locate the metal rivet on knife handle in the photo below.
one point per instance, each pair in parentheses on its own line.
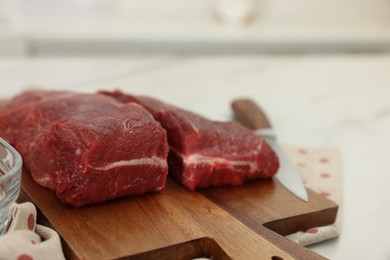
(248,113)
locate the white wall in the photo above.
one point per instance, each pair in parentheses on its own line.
(104,27)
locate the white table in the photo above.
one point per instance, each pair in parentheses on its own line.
(341,101)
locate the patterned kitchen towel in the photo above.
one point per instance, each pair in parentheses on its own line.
(320,169)
(26,240)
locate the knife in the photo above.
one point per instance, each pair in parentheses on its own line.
(250,115)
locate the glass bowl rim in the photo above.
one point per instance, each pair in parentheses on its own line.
(17,167)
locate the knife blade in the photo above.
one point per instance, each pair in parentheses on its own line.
(250,115)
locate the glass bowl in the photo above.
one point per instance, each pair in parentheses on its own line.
(10,176)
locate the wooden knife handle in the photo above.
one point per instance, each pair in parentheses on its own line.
(248,113)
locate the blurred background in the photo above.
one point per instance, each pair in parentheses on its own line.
(149,27)
(320,68)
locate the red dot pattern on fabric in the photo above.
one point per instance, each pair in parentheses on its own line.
(302,151)
(301,164)
(324,193)
(30,222)
(324,160)
(312,231)
(25,257)
(325,175)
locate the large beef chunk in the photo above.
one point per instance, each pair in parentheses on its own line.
(88,148)
(207,153)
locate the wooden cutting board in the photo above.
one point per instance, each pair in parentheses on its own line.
(246,222)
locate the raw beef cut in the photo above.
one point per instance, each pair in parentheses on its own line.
(207,153)
(88,148)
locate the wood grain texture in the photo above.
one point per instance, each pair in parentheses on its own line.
(223,223)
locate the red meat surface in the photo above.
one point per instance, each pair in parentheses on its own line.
(207,153)
(88,148)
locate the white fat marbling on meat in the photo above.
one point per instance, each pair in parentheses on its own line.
(198,158)
(158,162)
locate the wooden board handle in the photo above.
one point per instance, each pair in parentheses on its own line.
(248,113)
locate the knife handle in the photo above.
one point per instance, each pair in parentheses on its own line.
(248,113)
